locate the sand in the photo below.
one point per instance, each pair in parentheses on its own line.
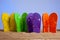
(29,36)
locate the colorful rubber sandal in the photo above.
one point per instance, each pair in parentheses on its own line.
(5,21)
(53,22)
(18,22)
(24,23)
(12,23)
(36,22)
(29,22)
(45,21)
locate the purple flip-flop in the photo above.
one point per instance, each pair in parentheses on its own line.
(29,22)
(36,22)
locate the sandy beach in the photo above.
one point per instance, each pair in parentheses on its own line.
(29,36)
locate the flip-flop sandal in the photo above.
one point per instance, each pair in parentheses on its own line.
(29,22)
(18,22)
(24,23)
(5,21)
(53,22)
(45,21)
(12,23)
(36,22)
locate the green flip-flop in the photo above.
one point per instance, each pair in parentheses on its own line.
(24,23)
(18,22)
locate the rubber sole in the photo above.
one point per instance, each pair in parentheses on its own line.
(53,22)
(45,21)
(12,23)
(18,22)
(5,21)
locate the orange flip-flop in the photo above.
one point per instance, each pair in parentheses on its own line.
(45,21)
(53,22)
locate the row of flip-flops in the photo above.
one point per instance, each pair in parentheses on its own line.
(29,22)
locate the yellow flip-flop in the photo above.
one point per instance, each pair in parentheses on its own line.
(5,21)
(45,21)
(12,23)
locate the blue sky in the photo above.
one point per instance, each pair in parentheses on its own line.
(29,6)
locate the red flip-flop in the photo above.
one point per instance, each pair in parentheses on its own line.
(53,22)
(45,21)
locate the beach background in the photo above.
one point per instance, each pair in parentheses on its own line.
(29,6)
